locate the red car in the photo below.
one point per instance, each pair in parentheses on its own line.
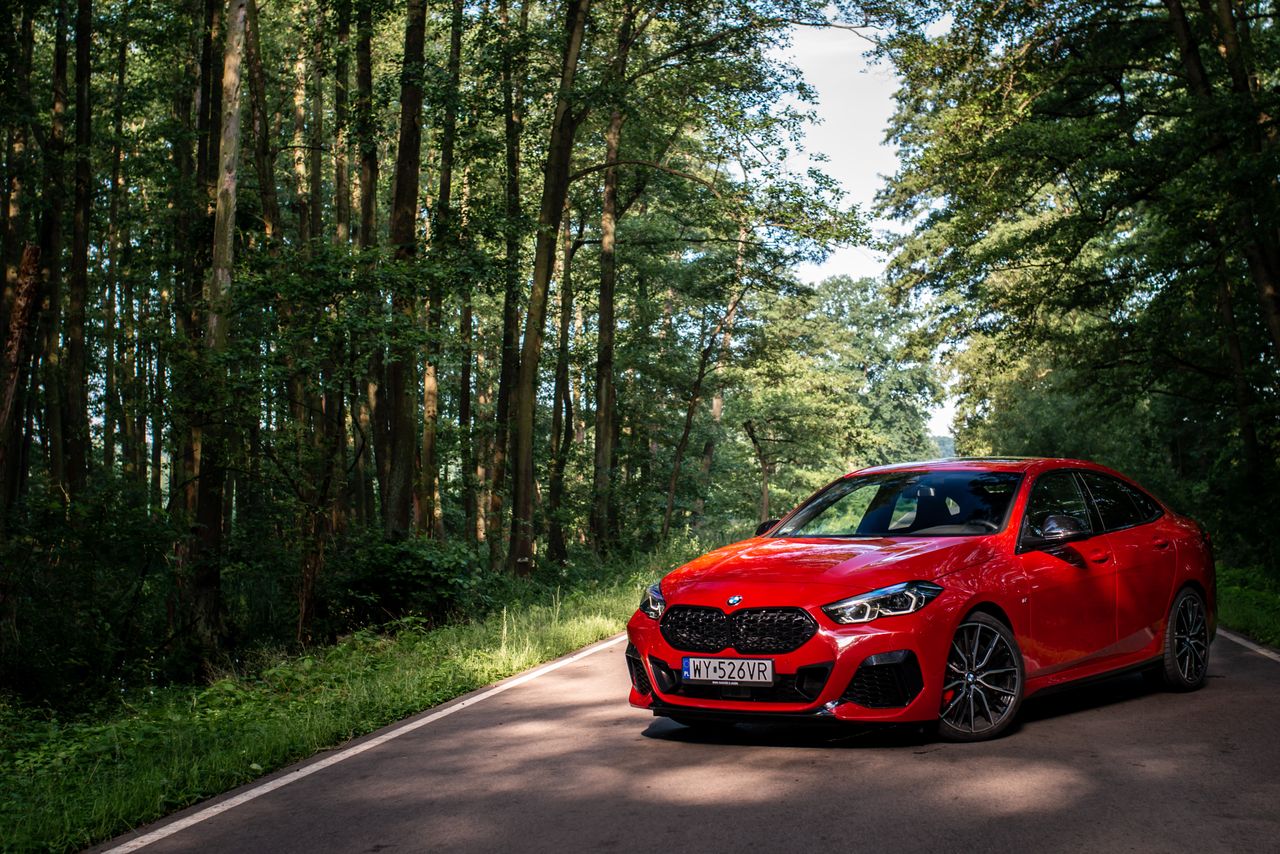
(942,591)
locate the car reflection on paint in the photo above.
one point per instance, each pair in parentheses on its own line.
(944,591)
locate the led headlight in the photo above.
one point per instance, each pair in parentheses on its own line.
(651,603)
(892,601)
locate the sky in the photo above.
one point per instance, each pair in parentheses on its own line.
(855,102)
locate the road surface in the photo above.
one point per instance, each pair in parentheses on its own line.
(560,763)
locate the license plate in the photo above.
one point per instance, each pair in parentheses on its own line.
(728,671)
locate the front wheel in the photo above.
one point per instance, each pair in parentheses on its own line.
(982,688)
(1186,642)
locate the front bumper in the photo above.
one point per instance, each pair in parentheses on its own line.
(889,670)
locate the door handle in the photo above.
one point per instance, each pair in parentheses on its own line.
(1099,556)
(1161,543)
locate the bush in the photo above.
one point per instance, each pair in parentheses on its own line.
(370,581)
(86,593)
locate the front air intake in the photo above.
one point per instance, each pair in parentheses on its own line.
(889,680)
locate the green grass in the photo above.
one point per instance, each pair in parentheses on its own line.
(1249,603)
(68,784)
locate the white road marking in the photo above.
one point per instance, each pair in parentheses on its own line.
(307,770)
(1250,645)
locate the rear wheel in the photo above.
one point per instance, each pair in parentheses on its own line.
(982,687)
(1186,642)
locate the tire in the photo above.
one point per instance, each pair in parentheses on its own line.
(983,681)
(1186,642)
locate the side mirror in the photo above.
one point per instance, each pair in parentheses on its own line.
(1062,529)
(763,527)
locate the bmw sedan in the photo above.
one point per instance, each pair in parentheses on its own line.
(944,592)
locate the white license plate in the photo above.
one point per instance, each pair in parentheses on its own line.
(728,671)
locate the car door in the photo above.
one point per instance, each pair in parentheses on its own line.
(1144,555)
(1071,586)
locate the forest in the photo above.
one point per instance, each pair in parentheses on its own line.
(319,314)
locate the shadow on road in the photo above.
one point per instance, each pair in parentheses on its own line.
(1044,706)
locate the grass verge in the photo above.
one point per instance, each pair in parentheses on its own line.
(69,784)
(1249,603)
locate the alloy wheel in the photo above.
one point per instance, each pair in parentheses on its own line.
(1191,639)
(983,680)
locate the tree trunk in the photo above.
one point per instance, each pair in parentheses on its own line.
(444,239)
(513,109)
(77,426)
(366,140)
(555,186)
(302,186)
(561,407)
(404,217)
(16,167)
(606,396)
(51,263)
(22,310)
(315,129)
(341,122)
(766,470)
(263,157)
(207,562)
(112,411)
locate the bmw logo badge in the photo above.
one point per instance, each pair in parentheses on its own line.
(734,600)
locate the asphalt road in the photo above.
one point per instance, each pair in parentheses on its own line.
(560,763)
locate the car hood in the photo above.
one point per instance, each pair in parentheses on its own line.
(828,568)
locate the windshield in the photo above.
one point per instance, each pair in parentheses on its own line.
(908,504)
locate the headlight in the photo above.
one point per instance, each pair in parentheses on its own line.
(652,603)
(892,601)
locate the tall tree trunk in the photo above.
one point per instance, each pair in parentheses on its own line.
(341,124)
(444,238)
(210,121)
(51,262)
(77,425)
(366,139)
(766,469)
(404,216)
(606,396)
(112,410)
(263,156)
(315,127)
(513,110)
(561,407)
(555,186)
(302,187)
(717,397)
(372,419)
(207,562)
(16,167)
(22,310)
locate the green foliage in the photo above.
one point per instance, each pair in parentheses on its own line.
(87,589)
(374,581)
(1249,602)
(1084,215)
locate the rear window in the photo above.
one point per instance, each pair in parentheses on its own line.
(908,504)
(1119,504)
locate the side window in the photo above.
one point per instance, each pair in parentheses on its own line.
(1115,501)
(1055,494)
